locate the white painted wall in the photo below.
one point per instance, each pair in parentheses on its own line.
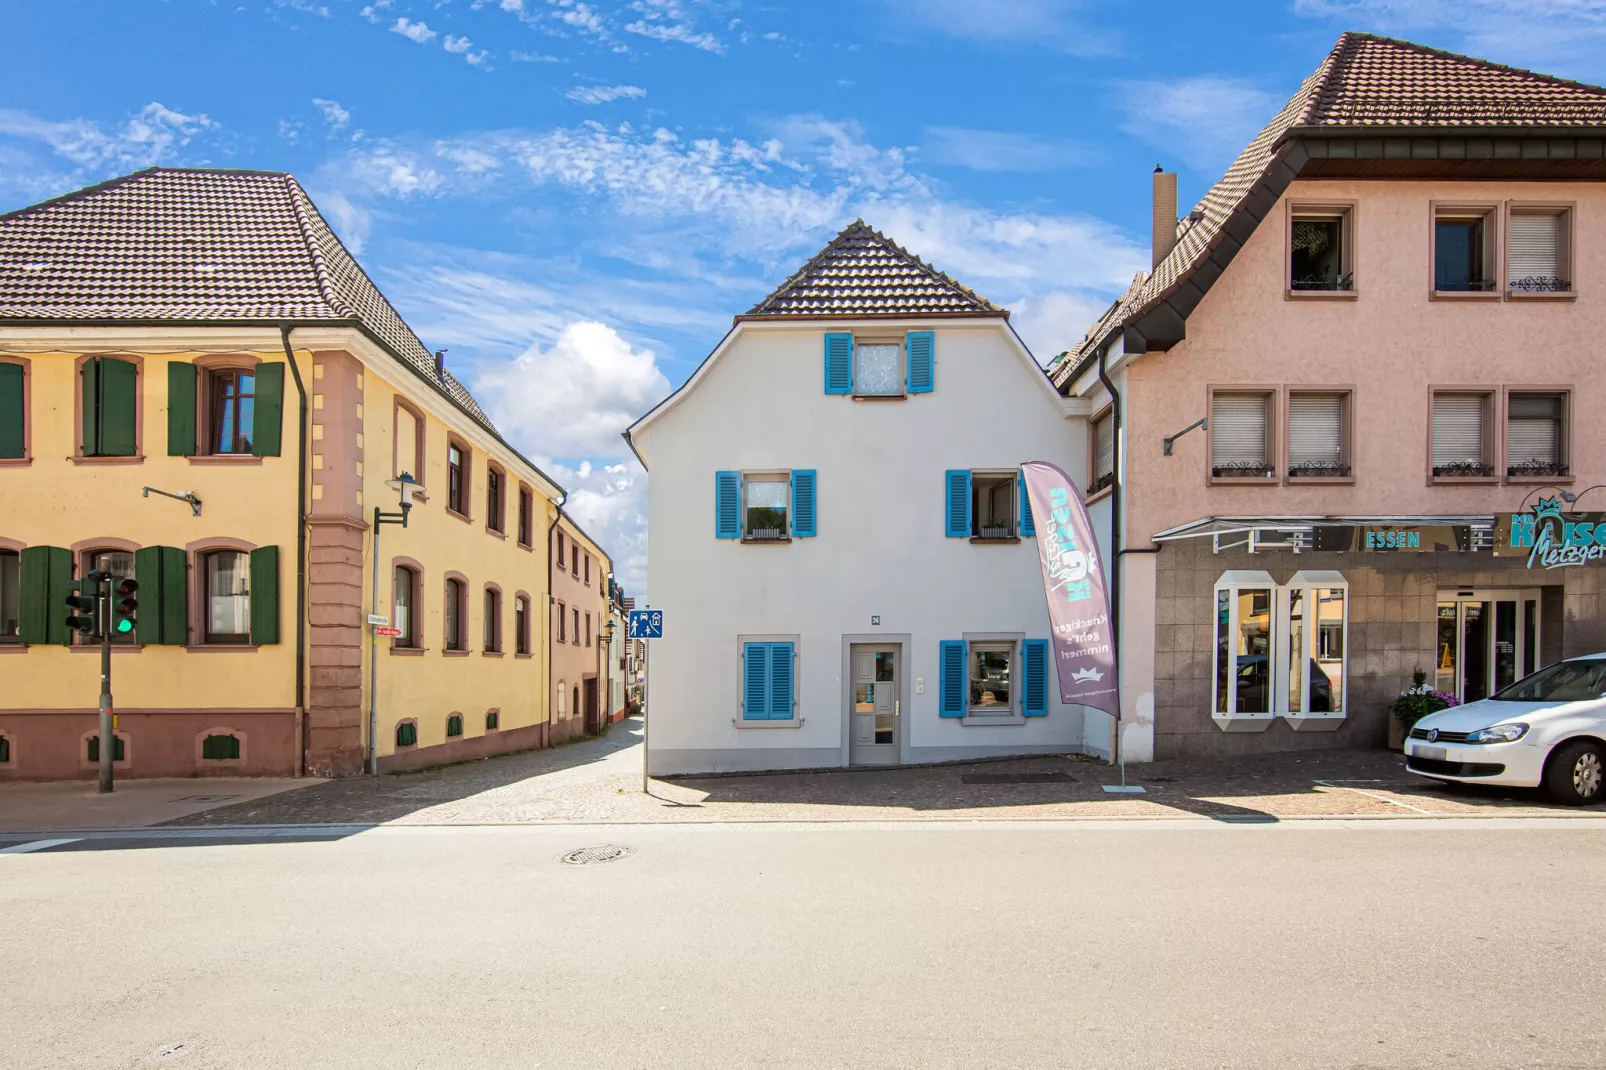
(881,549)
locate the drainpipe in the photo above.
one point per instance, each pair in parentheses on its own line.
(551,601)
(1115,549)
(301,554)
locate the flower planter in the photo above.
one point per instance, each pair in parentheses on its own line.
(1396,732)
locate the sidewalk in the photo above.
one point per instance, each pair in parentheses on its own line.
(78,804)
(599,781)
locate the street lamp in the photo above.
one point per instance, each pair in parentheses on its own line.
(403,485)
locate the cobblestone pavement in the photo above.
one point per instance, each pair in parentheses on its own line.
(600,781)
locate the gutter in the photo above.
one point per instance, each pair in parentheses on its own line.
(301,554)
(1115,543)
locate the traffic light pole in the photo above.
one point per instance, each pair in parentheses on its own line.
(108,738)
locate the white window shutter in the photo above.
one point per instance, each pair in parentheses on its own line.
(1104,447)
(1457,429)
(1315,430)
(1533,434)
(1238,431)
(1536,246)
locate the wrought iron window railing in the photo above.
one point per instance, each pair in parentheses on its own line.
(995,531)
(1464,468)
(1313,469)
(1473,285)
(1240,469)
(1540,284)
(1323,282)
(1105,480)
(1537,468)
(764,534)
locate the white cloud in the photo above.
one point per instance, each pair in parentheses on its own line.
(1050,23)
(290,131)
(413,31)
(334,115)
(996,150)
(149,136)
(610,503)
(309,6)
(1206,120)
(677,31)
(532,57)
(1050,323)
(603,94)
(457,45)
(353,223)
(578,16)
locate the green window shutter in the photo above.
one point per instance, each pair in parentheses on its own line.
(12,412)
(267,421)
(59,571)
(454,725)
(148,571)
(265,595)
(117,749)
(172,592)
(406,734)
(91,406)
(220,748)
(35,603)
(119,407)
(180,409)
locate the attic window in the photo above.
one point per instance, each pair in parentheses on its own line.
(1320,259)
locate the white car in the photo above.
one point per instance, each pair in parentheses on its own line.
(1547,729)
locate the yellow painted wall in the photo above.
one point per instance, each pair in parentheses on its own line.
(55,502)
(431,686)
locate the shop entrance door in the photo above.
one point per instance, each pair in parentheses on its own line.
(1486,640)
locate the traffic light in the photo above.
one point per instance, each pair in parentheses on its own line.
(124,608)
(83,604)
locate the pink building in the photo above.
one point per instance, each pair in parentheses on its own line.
(1375,339)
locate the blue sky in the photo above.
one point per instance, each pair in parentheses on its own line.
(574,196)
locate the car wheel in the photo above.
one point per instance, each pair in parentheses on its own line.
(1576,773)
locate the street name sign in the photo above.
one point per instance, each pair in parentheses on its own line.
(392,632)
(378,618)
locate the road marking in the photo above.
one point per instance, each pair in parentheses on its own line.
(1373,795)
(36,845)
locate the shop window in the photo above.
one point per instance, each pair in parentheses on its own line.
(1317,630)
(454,725)
(92,749)
(456,616)
(1462,446)
(226,599)
(1464,259)
(120,563)
(1103,452)
(1319,257)
(1240,435)
(1539,251)
(407,734)
(1281,650)
(10,596)
(1244,649)
(1535,438)
(220,748)
(1318,436)
(405,617)
(230,399)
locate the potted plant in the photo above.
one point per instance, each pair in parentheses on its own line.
(1413,704)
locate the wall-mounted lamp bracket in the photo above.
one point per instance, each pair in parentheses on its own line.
(181,496)
(1203,421)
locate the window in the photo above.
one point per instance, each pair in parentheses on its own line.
(574,558)
(495,515)
(521,625)
(1463,247)
(454,725)
(563,699)
(588,629)
(769,681)
(588,570)
(1461,439)
(985,505)
(231,397)
(223,748)
(227,598)
(405,618)
(1103,452)
(1281,649)
(1318,435)
(576,632)
(1535,438)
(493,621)
(456,625)
(92,749)
(1240,442)
(526,519)
(764,508)
(5,750)
(14,417)
(109,407)
(563,553)
(1319,258)
(409,446)
(992,505)
(407,734)
(563,623)
(878,369)
(120,563)
(1539,250)
(10,596)
(990,672)
(456,479)
(493,720)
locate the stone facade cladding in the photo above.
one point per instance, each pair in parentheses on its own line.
(1392,622)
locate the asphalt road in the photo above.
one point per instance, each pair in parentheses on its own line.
(1473,943)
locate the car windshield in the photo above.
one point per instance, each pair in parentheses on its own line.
(1565,681)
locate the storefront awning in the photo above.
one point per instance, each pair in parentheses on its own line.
(1340,533)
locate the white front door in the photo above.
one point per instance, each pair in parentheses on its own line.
(874,706)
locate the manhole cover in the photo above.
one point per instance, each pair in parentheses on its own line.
(1018,778)
(208,798)
(590,856)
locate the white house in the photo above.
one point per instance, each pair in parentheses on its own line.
(836,521)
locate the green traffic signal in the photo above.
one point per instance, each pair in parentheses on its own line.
(125,607)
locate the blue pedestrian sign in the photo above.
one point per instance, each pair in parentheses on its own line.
(646,624)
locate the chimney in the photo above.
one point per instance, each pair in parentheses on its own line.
(1165,213)
(440,354)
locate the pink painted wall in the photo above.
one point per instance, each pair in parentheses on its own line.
(1390,343)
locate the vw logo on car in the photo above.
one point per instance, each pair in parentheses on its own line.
(1433,735)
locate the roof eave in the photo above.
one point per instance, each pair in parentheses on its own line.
(781,317)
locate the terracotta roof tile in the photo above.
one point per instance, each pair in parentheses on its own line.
(862,272)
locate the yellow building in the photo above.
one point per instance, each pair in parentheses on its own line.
(199,387)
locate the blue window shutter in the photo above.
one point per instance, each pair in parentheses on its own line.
(956,503)
(921,347)
(838,363)
(1027,528)
(781,681)
(951,672)
(728,505)
(755,681)
(803,508)
(1036,690)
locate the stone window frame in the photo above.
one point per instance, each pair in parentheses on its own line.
(496,525)
(1493,428)
(492,637)
(100,544)
(1273,394)
(27,413)
(1347,210)
(1346,391)
(78,455)
(420,445)
(461,725)
(396,728)
(221,763)
(205,365)
(523,635)
(416,647)
(94,733)
(493,720)
(454,440)
(462,614)
(1569,211)
(1565,450)
(1494,247)
(195,554)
